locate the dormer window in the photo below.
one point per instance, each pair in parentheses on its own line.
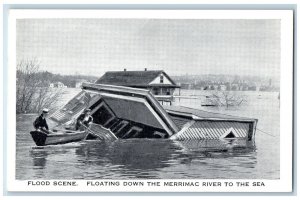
(161,79)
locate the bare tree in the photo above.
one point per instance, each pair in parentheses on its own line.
(226,98)
(47,98)
(32,91)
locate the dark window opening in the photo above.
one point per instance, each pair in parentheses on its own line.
(130,134)
(230,135)
(161,79)
(168,92)
(155,91)
(101,115)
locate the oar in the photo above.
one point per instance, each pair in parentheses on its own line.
(88,129)
(100,136)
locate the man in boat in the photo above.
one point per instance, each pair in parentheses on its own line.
(40,122)
(84,118)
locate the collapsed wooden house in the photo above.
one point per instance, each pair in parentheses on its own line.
(126,112)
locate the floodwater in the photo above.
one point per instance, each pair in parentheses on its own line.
(160,158)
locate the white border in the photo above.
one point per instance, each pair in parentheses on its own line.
(286,16)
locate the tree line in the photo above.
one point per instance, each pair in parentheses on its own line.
(67,80)
(32,87)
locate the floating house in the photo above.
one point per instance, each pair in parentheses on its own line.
(129,112)
(157,82)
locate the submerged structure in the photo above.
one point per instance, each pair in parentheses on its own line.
(122,112)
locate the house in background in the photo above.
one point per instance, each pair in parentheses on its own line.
(223,87)
(156,81)
(79,83)
(60,85)
(57,85)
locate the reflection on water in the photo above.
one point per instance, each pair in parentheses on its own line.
(131,154)
(142,158)
(39,158)
(155,158)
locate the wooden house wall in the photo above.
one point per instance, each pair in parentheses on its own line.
(213,130)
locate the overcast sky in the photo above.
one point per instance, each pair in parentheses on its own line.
(94,46)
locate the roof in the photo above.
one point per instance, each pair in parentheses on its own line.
(203,115)
(132,78)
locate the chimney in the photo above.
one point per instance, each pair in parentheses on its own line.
(145,69)
(125,69)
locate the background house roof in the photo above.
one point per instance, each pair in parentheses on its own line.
(132,78)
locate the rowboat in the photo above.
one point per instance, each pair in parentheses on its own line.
(41,138)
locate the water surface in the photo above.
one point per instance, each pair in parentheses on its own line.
(160,158)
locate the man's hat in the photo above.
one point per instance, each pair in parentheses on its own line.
(45,110)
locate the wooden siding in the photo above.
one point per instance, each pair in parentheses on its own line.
(212,130)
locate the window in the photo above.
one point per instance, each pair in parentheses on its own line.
(168,91)
(155,91)
(161,79)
